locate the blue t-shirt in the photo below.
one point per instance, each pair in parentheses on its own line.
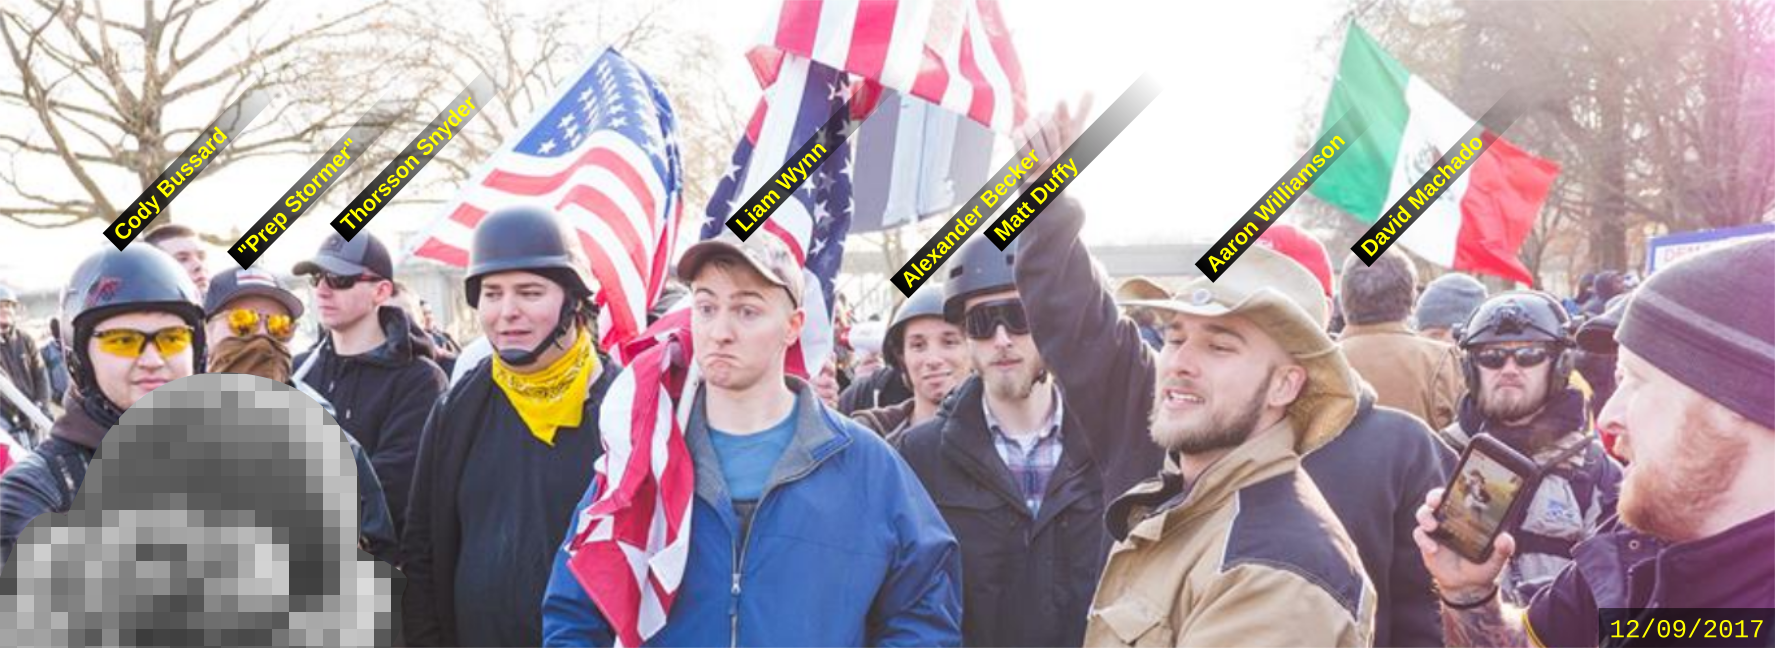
(747,459)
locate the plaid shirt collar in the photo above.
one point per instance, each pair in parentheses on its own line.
(1030,462)
(1050,427)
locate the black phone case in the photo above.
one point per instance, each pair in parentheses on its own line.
(1508,457)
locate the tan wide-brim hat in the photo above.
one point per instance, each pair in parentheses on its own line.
(1140,289)
(1284,300)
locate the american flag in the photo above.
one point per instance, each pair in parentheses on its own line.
(604,156)
(630,545)
(953,53)
(813,222)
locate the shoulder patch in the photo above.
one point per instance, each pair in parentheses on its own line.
(1275,527)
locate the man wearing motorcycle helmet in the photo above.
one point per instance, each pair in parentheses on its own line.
(135,324)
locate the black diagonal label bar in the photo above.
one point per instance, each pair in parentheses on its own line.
(1291,186)
(829,137)
(1040,193)
(312,184)
(156,197)
(1430,187)
(399,172)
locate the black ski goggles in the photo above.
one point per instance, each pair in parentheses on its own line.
(983,319)
(1526,357)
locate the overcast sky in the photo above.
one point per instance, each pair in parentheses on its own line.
(1238,78)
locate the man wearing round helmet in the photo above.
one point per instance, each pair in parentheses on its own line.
(136,324)
(1518,348)
(480,533)
(1008,462)
(927,353)
(20,363)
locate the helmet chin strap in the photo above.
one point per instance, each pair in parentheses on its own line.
(567,318)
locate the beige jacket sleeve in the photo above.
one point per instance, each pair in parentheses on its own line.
(1256,605)
(1446,389)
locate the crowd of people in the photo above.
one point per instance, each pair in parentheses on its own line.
(1041,459)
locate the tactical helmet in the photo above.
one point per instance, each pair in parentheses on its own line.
(1519,316)
(978,267)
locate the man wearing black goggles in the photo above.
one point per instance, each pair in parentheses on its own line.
(1518,361)
(984,320)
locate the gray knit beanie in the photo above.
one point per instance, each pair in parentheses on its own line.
(1709,322)
(1449,300)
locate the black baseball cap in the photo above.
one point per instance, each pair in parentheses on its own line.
(235,283)
(360,255)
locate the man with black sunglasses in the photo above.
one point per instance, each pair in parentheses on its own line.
(1518,349)
(1006,461)
(372,364)
(135,325)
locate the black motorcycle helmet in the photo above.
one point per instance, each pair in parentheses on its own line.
(533,240)
(978,267)
(926,302)
(136,278)
(1518,316)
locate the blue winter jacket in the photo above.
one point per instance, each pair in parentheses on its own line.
(845,549)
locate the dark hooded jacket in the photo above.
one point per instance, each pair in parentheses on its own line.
(381,398)
(436,542)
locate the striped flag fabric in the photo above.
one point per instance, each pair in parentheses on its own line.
(811,223)
(629,547)
(953,53)
(1481,219)
(915,160)
(604,156)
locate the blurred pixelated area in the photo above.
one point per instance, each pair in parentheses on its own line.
(220,511)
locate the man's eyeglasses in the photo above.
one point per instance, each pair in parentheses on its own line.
(339,282)
(983,320)
(1526,357)
(129,343)
(243,322)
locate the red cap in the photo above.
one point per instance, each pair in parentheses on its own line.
(1301,247)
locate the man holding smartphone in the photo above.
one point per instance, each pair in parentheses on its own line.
(1518,357)
(1697,514)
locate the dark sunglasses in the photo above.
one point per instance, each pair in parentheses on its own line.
(1526,357)
(984,319)
(339,282)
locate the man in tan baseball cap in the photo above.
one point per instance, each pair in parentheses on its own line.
(1233,544)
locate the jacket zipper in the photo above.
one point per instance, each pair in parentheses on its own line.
(739,560)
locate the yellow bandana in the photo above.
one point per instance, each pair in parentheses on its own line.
(553,398)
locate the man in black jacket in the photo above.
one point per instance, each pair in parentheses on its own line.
(20,363)
(1010,466)
(135,325)
(1519,353)
(372,364)
(1374,474)
(481,534)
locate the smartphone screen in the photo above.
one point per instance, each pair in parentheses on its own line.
(1476,504)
